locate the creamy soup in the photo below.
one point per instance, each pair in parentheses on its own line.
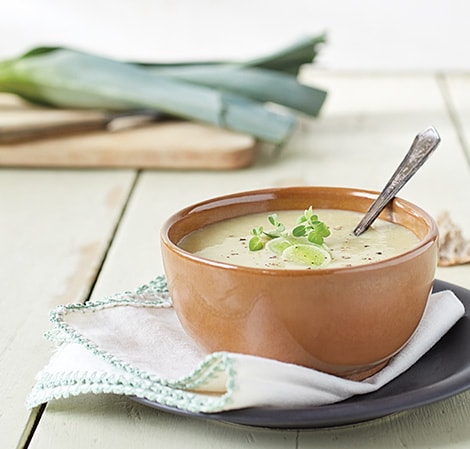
(227,241)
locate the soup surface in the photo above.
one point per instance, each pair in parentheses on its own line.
(227,241)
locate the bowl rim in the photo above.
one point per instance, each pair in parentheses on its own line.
(424,243)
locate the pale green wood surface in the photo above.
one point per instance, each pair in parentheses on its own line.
(54,231)
(365,129)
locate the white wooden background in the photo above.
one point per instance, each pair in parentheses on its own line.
(66,235)
(401,35)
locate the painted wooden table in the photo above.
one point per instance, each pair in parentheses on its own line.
(70,235)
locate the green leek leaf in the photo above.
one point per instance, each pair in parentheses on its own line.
(72,79)
(269,78)
(232,95)
(286,60)
(256,83)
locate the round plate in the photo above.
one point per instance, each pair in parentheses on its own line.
(442,372)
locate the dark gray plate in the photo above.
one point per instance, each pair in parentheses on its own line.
(442,372)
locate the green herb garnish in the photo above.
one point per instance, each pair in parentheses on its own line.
(304,244)
(256,242)
(311,227)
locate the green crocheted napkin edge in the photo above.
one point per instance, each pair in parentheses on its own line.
(125,378)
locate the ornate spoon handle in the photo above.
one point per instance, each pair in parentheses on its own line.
(421,148)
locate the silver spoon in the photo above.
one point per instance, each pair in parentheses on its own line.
(421,148)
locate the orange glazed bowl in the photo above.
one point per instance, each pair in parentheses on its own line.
(346,321)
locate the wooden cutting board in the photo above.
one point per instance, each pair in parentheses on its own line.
(41,137)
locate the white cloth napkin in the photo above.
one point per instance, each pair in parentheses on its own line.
(132,343)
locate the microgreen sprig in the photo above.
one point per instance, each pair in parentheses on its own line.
(260,236)
(279,228)
(256,242)
(311,227)
(308,225)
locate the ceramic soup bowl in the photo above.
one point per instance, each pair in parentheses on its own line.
(346,321)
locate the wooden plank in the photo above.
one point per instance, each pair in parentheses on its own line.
(365,129)
(54,230)
(120,423)
(456,89)
(442,425)
(97,140)
(169,144)
(19,125)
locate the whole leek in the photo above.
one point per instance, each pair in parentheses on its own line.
(232,96)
